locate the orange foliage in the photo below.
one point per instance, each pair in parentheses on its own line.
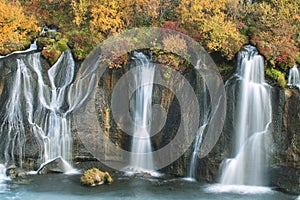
(15,27)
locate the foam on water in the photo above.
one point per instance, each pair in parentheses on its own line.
(238,189)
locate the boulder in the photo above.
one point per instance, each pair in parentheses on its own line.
(15,172)
(93,177)
(56,165)
(286,178)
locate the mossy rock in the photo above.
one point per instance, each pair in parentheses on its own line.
(52,45)
(52,49)
(94,176)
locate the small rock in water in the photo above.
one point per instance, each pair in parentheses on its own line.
(14,172)
(93,177)
(147,175)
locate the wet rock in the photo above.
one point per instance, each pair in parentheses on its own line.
(287,179)
(285,170)
(57,165)
(15,172)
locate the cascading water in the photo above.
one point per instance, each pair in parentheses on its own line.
(43,115)
(3,178)
(200,132)
(61,75)
(40,103)
(248,167)
(141,145)
(294,77)
(196,147)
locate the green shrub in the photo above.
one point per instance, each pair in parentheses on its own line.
(277,75)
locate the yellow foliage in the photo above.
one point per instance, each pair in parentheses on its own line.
(148,9)
(287,9)
(215,20)
(195,11)
(272,14)
(107,17)
(15,27)
(222,35)
(80,10)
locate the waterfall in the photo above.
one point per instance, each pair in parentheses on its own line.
(59,129)
(294,77)
(253,118)
(12,130)
(39,103)
(200,132)
(196,147)
(141,145)
(3,176)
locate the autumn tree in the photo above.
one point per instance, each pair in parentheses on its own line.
(108,16)
(274,28)
(80,10)
(218,28)
(151,12)
(16,29)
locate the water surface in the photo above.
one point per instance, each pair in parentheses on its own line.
(59,186)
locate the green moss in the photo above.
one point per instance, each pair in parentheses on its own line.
(62,44)
(277,75)
(171,60)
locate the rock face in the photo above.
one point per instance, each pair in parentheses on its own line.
(285,159)
(21,134)
(285,167)
(286,126)
(286,178)
(209,166)
(116,138)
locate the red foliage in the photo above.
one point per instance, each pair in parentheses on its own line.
(172,26)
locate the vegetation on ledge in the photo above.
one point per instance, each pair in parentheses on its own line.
(53,44)
(277,75)
(224,26)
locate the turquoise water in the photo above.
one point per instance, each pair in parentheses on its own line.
(58,186)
